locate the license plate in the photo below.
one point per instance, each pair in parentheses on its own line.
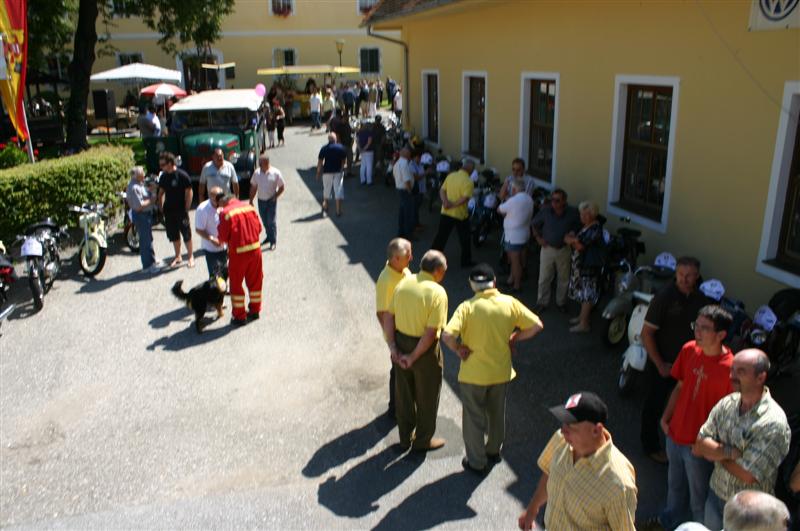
(31,247)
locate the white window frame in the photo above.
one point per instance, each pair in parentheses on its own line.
(276,48)
(291,12)
(379,73)
(618,145)
(118,53)
(778,184)
(215,52)
(424,106)
(465,75)
(358,7)
(525,121)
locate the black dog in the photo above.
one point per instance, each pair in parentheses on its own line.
(201,297)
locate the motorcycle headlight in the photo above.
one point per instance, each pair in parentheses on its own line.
(758,337)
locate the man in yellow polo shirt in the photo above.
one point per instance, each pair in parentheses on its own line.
(586,481)
(455,193)
(398,256)
(417,312)
(489,325)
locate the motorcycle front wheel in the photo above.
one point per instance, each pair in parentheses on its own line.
(92,257)
(616,329)
(627,377)
(132,238)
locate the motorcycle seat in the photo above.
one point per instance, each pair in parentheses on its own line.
(625,232)
(46,223)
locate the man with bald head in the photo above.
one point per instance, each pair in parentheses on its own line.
(746,436)
(330,166)
(218,172)
(455,193)
(751,509)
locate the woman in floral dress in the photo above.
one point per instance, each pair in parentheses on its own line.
(584,278)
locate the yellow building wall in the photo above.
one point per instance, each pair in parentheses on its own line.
(726,122)
(250,34)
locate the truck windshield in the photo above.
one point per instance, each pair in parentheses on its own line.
(202,119)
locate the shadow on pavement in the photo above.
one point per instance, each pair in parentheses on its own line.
(356,493)
(352,444)
(189,337)
(178,314)
(424,510)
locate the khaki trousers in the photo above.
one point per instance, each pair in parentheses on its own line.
(484,413)
(417,393)
(553,261)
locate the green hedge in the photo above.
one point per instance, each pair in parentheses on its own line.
(31,192)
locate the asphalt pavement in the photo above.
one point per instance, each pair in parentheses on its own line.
(115,413)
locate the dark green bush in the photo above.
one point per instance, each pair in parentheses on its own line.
(11,156)
(31,192)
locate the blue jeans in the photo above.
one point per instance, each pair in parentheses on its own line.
(268,209)
(315,124)
(406,217)
(215,261)
(687,486)
(143,221)
(713,511)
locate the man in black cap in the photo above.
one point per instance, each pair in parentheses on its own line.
(586,481)
(483,333)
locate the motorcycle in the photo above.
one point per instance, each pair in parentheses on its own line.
(652,278)
(40,249)
(629,279)
(7,277)
(436,177)
(482,207)
(129,229)
(94,247)
(624,248)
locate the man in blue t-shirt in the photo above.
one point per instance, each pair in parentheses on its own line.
(330,167)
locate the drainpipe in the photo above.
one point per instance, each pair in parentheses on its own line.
(406,99)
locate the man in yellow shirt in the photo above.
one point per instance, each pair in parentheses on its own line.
(586,481)
(417,312)
(455,193)
(398,256)
(489,325)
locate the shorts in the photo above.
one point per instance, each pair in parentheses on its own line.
(177,224)
(335,181)
(513,247)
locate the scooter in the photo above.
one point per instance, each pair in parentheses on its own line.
(94,247)
(40,249)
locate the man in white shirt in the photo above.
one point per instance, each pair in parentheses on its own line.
(268,183)
(398,104)
(206,219)
(218,172)
(404,183)
(315,105)
(518,211)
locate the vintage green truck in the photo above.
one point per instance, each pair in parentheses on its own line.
(231,120)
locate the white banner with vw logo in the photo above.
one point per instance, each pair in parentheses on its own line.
(774,15)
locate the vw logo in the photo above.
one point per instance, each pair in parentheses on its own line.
(777,10)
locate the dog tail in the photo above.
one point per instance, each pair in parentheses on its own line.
(177,290)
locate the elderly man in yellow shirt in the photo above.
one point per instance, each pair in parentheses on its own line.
(417,313)
(489,326)
(586,481)
(398,256)
(455,193)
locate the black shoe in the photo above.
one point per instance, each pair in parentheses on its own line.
(236,323)
(494,458)
(470,468)
(252,317)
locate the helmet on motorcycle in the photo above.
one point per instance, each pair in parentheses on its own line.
(713,289)
(426,158)
(765,318)
(666,261)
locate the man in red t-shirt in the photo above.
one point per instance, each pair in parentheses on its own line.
(702,370)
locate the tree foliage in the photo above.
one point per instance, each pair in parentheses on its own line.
(51,26)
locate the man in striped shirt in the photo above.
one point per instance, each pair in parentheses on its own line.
(586,481)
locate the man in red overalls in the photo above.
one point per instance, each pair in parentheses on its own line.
(240,228)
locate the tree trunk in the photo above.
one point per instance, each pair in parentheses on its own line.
(80,69)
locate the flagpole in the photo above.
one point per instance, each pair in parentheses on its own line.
(29,143)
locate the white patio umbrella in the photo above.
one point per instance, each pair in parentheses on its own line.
(138,72)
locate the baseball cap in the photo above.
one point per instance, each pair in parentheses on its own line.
(482,273)
(583,406)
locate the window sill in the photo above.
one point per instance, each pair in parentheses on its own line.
(777,270)
(624,210)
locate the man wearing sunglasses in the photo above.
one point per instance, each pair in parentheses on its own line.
(550,226)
